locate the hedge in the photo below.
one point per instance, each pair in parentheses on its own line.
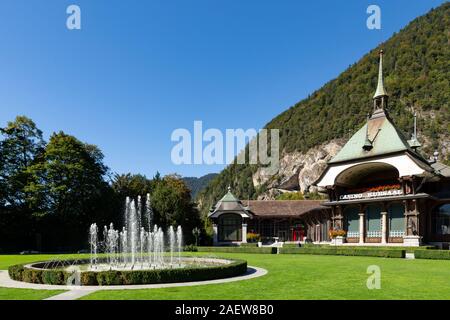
(340,251)
(432,254)
(119,277)
(244,249)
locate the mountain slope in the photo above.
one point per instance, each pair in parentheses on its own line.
(417,75)
(198,184)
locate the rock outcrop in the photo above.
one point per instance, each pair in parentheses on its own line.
(298,171)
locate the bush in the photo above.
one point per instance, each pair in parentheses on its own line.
(88,278)
(243,249)
(292,245)
(190,248)
(16,272)
(53,277)
(341,251)
(109,278)
(432,254)
(252,245)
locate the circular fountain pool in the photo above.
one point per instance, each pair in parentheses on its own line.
(80,272)
(140,252)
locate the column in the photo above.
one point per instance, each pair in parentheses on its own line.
(244,233)
(384,227)
(361,227)
(215,240)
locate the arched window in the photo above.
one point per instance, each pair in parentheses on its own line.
(441,220)
(230,227)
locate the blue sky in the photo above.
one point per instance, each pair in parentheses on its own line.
(137,70)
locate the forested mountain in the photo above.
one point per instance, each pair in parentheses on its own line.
(198,184)
(417,75)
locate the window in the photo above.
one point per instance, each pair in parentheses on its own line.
(396,220)
(441,220)
(373,221)
(352,217)
(230,227)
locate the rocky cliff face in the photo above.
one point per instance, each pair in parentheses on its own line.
(298,171)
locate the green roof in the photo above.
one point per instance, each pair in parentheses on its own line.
(229,197)
(383,135)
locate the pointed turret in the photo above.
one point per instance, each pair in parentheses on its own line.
(414,143)
(380,97)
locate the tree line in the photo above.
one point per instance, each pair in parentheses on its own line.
(50,192)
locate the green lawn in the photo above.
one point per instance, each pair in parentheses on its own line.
(26,294)
(315,277)
(294,277)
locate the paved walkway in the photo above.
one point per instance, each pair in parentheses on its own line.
(75,292)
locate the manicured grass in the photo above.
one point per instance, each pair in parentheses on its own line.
(293,276)
(9,260)
(315,277)
(26,294)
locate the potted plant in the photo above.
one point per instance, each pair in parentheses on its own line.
(337,236)
(253,237)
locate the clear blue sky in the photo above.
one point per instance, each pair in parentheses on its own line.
(137,70)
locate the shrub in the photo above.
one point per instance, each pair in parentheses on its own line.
(253,245)
(341,251)
(190,248)
(32,276)
(244,249)
(88,278)
(16,272)
(53,277)
(111,277)
(432,254)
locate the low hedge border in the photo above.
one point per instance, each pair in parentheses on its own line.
(339,251)
(432,254)
(115,277)
(243,249)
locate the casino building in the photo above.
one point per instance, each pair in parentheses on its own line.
(381,191)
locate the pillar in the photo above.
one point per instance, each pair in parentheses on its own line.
(215,240)
(384,227)
(244,233)
(361,227)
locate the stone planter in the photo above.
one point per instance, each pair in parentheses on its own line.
(412,241)
(339,240)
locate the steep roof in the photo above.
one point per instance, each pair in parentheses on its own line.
(383,135)
(228,203)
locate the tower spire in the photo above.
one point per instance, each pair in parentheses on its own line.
(414,143)
(380,96)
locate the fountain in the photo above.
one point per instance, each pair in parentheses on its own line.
(136,247)
(138,253)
